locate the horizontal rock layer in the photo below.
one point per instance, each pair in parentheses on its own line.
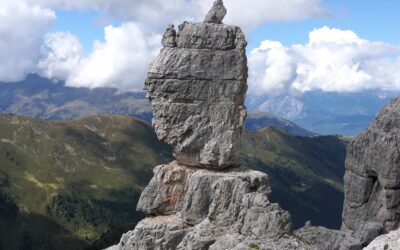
(210,36)
(199,64)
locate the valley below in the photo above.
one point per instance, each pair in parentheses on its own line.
(76,183)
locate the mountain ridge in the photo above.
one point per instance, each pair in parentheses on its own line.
(324,112)
(260,120)
(78,177)
(54,175)
(43,98)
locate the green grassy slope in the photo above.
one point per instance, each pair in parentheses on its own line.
(306,173)
(67,183)
(76,183)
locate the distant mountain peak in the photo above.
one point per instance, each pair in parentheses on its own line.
(323,112)
(40,97)
(259,120)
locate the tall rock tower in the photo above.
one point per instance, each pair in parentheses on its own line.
(204,199)
(197,87)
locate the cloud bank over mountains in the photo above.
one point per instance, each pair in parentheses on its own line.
(22,27)
(122,59)
(332,60)
(156,13)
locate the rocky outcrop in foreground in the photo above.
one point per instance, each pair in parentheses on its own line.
(372,179)
(194,208)
(205,199)
(390,241)
(372,189)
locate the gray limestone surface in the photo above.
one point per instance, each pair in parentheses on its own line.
(197,87)
(161,232)
(389,241)
(322,238)
(217,13)
(372,179)
(209,207)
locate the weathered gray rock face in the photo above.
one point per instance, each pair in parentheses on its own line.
(390,241)
(197,87)
(372,179)
(208,209)
(162,232)
(217,13)
(199,193)
(166,191)
(322,238)
(169,37)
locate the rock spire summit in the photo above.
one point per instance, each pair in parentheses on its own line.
(217,13)
(197,87)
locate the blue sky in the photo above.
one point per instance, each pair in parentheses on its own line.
(370,19)
(81,23)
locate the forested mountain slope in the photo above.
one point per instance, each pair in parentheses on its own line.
(72,182)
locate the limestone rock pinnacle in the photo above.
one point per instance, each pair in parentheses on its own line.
(217,13)
(197,87)
(169,37)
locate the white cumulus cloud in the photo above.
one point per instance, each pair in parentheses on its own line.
(333,60)
(121,61)
(251,13)
(22,28)
(123,58)
(272,67)
(152,14)
(61,54)
(156,13)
